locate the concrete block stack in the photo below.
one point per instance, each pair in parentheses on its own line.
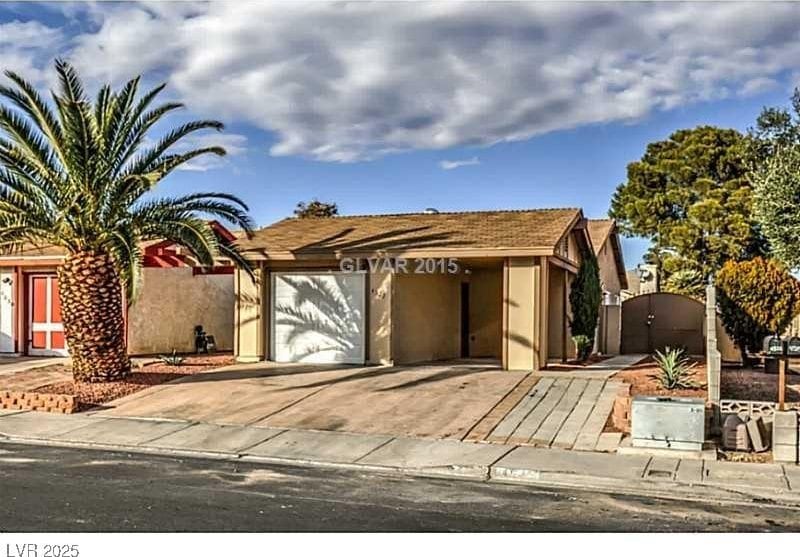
(785,436)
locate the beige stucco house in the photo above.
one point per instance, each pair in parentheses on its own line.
(613,279)
(406,288)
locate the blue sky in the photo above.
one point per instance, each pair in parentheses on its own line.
(366,104)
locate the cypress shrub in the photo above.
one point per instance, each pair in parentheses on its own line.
(584,298)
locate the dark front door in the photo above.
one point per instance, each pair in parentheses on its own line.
(465,320)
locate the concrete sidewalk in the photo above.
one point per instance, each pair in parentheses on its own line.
(639,474)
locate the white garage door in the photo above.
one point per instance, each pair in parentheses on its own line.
(318,317)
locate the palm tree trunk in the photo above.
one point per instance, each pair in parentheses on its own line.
(92,311)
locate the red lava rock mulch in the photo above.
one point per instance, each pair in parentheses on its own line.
(736,382)
(94,394)
(642,379)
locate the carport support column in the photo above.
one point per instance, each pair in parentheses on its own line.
(524,320)
(251,315)
(379,310)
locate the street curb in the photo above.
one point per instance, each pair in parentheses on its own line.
(664,490)
(488,474)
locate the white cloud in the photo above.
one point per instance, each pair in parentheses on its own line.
(27,34)
(353,81)
(451,165)
(27,48)
(234,144)
(758,85)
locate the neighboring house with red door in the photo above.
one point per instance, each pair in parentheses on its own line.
(176,295)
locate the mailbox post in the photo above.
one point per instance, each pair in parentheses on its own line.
(779,351)
(792,350)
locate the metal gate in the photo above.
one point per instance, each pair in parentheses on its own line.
(653,321)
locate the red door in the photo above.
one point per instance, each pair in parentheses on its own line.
(45,330)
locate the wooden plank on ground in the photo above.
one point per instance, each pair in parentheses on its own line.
(534,419)
(590,433)
(572,427)
(608,442)
(483,428)
(550,427)
(506,427)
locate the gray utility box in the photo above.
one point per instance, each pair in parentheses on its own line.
(668,422)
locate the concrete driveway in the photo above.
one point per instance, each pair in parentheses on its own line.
(439,401)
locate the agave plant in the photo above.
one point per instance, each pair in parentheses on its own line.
(74,173)
(172,359)
(674,369)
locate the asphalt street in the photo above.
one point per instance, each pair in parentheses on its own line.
(45,489)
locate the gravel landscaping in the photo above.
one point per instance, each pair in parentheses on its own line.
(643,381)
(754,384)
(91,395)
(736,383)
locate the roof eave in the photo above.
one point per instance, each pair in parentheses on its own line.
(408,253)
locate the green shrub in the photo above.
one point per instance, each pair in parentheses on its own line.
(674,369)
(584,298)
(583,346)
(756,298)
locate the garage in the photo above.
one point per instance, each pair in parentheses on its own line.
(318,317)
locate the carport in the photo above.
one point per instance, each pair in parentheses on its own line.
(446,316)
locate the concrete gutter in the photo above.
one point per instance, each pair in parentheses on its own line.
(673,478)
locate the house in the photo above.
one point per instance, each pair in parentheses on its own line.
(613,279)
(405,288)
(176,295)
(641,280)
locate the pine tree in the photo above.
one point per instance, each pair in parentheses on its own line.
(690,195)
(316,208)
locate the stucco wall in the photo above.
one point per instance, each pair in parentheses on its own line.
(425,317)
(522,320)
(172,302)
(609,329)
(485,312)
(725,345)
(250,315)
(379,329)
(609,277)
(610,321)
(556,313)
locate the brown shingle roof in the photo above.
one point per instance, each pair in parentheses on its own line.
(599,229)
(526,229)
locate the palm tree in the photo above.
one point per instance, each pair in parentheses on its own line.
(75,174)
